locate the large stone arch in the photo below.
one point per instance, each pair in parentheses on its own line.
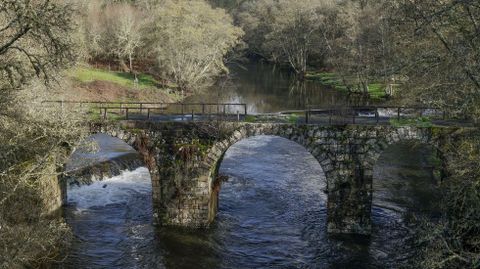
(394,136)
(216,153)
(140,141)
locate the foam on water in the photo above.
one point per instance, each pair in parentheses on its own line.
(114,190)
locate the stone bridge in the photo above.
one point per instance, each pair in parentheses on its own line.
(183,159)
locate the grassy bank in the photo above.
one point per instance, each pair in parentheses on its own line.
(87,74)
(92,84)
(375,90)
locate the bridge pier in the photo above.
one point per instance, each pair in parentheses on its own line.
(349,201)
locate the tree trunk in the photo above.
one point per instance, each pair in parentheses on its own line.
(130,59)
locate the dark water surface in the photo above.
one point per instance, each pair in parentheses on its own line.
(271,215)
(266,88)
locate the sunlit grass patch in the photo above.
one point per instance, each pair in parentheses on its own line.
(418,122)
(375,90)
(86,74)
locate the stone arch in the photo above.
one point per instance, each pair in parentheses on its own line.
(391,136)
(139,141)
(292,133)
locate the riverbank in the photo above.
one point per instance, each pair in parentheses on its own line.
(375,90)
(101,85)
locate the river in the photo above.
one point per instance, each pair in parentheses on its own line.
(271,209)
(266,88)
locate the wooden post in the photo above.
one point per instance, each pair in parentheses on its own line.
(238,115)
(105,113)
(376,115)
(398,114)
(203,109)
(192,115)
(126,113)
(141,108)
(148,113)
(245,108)
(306,116)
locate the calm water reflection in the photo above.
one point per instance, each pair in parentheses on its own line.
(266,88)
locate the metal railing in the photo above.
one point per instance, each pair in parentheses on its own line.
(374,114)
(332,115)
(157,110)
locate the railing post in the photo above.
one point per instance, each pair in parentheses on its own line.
(376,115)
(183,112)
(245,109)
(148,113)
(126,113)
(353,110)
(203,109)
(238,115)
(141,108)
(398,114)
(330,116)
(105,113)
(306,116)
(192,115)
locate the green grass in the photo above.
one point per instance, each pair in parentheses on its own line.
(85,74)
(293,118)
(418,122)
(375,90)
(250,118)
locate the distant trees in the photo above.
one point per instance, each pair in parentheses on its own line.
(360,47)
(114,31)
(190,41)
(187,40)
(286,31)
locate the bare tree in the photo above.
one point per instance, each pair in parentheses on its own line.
(287,31)
(191,39)
(36,41)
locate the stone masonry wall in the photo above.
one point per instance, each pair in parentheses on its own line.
(183,159)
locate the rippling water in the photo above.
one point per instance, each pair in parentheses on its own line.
(271,215)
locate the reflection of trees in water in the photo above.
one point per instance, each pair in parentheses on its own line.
(269,88)
(298,94)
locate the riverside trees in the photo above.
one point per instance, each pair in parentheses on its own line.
(36,42)
(187,40)
(286,31)
(190,41)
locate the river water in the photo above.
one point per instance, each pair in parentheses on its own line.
(271,215)
(266,88)
(271,210)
